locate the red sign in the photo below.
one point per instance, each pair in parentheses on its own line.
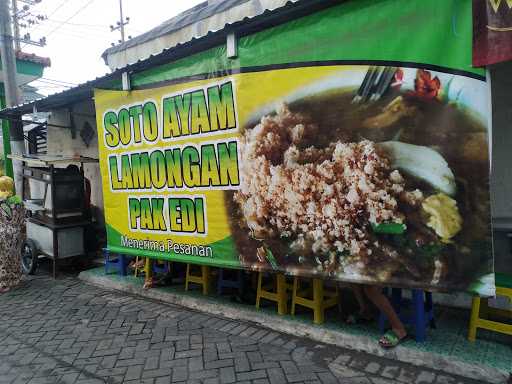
(492,31)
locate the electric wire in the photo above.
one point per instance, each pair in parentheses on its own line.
(86,33)
(54,84)
(77,24)
(89,2)
(53,12)
(56,81)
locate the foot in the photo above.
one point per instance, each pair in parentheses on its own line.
(392,338)
(138,264)
(148,283)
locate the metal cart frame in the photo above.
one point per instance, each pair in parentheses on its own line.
(43,168)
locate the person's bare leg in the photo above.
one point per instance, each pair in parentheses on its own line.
(380,300)
(148,271)
(364,309)
(358,293)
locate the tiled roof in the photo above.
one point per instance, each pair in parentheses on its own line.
(44,61)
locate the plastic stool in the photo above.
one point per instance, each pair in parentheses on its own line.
(118,263)
(229,283)
(203,279)
(322,299)
(503,288)
(276,293)
(136,270)
(163,268)
(422,311)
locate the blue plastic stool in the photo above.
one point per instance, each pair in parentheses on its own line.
(117,263)
(422,314)
(164,269)
(229,283)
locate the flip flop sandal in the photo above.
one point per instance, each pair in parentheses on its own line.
(390,339)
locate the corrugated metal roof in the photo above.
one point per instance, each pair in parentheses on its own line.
(196,22)
(30,93)
(188,17)
(294,8)
(59,99)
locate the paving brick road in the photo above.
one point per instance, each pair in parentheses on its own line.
(65,331)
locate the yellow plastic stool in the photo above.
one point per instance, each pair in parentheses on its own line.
(481,307)
(147,265)
(276,292)
(136,270)
(203,279)
(321,300)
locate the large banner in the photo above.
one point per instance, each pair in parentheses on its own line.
(368,174)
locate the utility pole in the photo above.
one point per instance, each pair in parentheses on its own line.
(13,136)
(121,23)
(16,26)
(7,56)
(24,18)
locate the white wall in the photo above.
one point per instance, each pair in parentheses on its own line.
(61,142)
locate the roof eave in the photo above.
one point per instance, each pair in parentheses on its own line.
(243,27)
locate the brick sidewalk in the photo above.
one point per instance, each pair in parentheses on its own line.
(66,331)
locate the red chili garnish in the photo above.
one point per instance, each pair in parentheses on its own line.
(426,86)
(398,79)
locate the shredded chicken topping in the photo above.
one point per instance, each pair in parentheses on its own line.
(325,199)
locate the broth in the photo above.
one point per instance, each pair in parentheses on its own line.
(452,132)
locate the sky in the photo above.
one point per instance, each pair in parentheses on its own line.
(78,31)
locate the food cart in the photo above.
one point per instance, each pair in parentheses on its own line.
(57,208)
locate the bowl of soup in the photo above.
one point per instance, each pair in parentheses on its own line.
(391,189)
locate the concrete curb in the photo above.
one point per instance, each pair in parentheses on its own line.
(354,342)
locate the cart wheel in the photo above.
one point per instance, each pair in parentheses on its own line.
(29,257)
